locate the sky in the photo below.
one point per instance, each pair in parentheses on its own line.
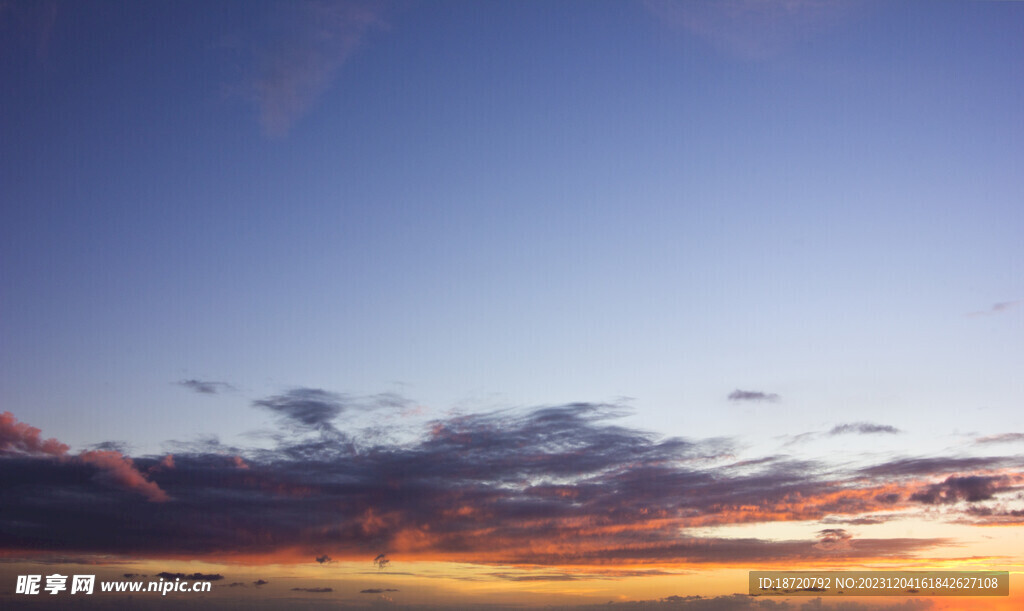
(543,304)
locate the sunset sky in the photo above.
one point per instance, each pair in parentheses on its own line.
(450,304)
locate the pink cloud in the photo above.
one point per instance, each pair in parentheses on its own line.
(20,438)
(122,472)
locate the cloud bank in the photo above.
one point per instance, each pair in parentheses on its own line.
(563,485)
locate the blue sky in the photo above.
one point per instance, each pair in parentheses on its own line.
(512,204)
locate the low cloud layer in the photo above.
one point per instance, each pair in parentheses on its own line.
(551,486)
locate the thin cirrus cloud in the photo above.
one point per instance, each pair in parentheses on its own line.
(550,486)
(299,58)
(997,308)
(753,30)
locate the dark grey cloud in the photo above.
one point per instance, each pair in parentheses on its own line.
(206,387)
(313,590)
(863,428)
(377,590)
(260,582)
(324,559)
(903,467)
(308,407)
(753,395)
(970,488)
(305,410)
(111,446)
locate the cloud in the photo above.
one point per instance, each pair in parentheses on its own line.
(752,395)
(992,516)
(306,410)
(112,446)
(903,467)
(863,428)
(192,576)
(971,488)
(744,602)
(381,561)
(377,590)
(1001,438)
(313,590)
(535,577)
(325,559)
(751,29)
(206,387)
(997,308)
(120,471)
(545,487)
(833,539)
(307,407)
(20,438)
(297,58)
(260,582)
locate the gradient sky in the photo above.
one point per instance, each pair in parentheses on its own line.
(624,276)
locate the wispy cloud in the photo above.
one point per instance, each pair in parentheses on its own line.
(997,308)
(299,56)
(751,29)
(863,428)
(206,387)
(30,25)
(753,395)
